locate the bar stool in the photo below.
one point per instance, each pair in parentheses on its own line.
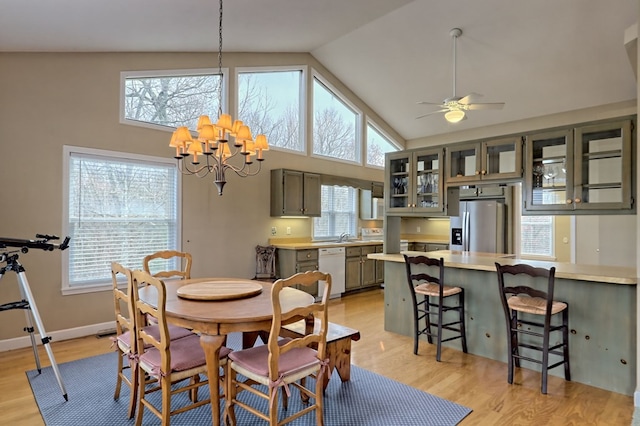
(528,300)
(426,285)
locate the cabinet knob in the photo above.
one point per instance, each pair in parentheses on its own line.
(308,255)
(477,172)
(484,172)
(578,200)
(569,201)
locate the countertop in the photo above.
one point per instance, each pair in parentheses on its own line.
(486,262)
(306,243)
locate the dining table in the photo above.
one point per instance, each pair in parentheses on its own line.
(212,308)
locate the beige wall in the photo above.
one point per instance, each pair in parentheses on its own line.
(51,100)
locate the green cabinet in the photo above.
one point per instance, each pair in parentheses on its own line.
(499,159)
(295,193)
(291,262)
(413,182)
(379,266)
(581,169)
(360,271)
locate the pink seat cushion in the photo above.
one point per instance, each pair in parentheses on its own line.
(256,359)
(186,353)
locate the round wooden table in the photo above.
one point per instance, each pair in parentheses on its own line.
(214,319)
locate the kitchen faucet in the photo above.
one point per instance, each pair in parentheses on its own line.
(343,237)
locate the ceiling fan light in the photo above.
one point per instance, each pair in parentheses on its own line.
(454,115)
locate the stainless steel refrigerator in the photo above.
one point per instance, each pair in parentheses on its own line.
(480,227)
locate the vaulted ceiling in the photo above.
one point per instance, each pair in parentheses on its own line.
(539,57)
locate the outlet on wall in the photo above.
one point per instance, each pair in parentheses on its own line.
(417,229)
(288,230)
(274,230)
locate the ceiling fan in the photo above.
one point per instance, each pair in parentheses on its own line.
(454,107)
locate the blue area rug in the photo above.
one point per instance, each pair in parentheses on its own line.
(367,399)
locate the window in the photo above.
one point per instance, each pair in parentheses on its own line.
(336,125)
(377,146)
(169,98)
(339,212)
(117,208)
(536,235)
(270,103)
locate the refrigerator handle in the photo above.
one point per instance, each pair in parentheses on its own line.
(465,231)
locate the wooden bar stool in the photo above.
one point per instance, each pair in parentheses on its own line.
(425,285)
(528,300)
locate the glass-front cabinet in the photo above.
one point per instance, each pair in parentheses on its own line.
(487,160)
(548,185)
(413,181)
(585,168)
(602,169)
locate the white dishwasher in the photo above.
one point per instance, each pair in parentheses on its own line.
(331,261)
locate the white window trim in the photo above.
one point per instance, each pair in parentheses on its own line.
(170,73)
(365,141)
(303,100)
(67,150)
(359,128)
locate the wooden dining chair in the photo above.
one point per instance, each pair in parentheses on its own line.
(169,362)
(536,307)
(281,363)
(165,264)
(431,299)
(125,340)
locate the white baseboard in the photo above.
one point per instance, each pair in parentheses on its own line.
(70,333)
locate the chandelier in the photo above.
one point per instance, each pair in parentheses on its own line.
(225,145)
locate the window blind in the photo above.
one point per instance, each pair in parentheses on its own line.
(118,210)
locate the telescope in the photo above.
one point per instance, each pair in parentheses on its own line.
(27,303)
(41,242)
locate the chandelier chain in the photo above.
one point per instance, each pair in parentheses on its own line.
(220,61)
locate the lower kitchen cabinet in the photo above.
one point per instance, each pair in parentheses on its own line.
(428,246)
(360,271)
(291,262)
(379,267)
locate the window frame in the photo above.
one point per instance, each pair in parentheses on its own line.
(365,140)
(302,101)
(68,151)
(359,127)
(354,215)
(124,75)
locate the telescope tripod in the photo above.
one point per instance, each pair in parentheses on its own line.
(28,304)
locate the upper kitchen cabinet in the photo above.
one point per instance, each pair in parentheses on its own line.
(413,182)
(499,159)
(295,193)
(580,170)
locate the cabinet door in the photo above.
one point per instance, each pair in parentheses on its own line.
(292,190)
(352,273)
(501,159)
(419,247)
(379,267)
(312,195)
(368,266)
(436,247)
(428,183)
(305,267)
(398,182)
(548,182)
(602,166)
(463,163)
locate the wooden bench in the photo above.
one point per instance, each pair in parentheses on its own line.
(339,340)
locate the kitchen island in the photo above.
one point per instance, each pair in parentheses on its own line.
(602,312)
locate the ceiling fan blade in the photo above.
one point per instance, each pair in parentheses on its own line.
(429,103)
(494,105)
(469,98)
(431,113)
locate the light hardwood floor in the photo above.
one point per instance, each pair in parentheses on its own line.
(473,381)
